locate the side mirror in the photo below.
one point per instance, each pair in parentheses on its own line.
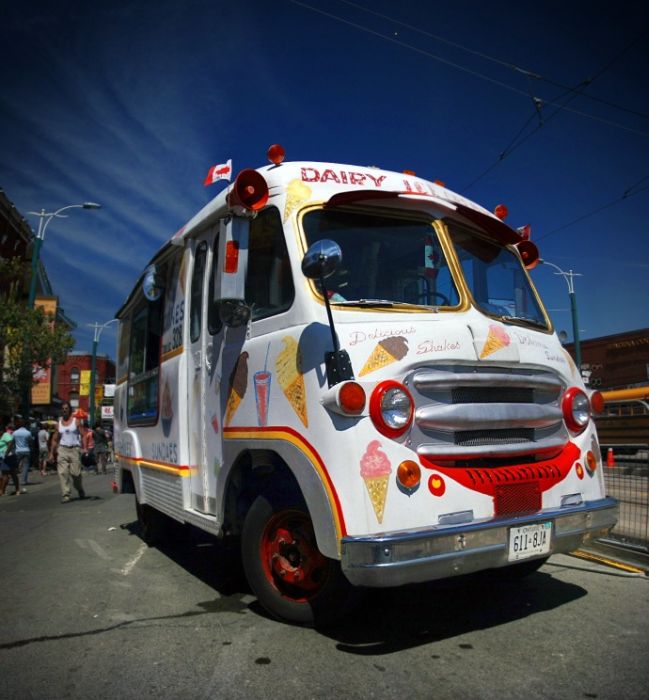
(233,312)
(322,259)
(152,284)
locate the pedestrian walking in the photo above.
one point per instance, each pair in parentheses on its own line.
(87,447)
(66,449)
(9,464)
(43,438)
(101,448)
(23,450)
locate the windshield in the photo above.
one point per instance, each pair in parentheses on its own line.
(386,260)
(497,279)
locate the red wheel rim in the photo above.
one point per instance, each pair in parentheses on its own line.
(291,560)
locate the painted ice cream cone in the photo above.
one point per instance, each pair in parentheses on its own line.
(375,470)
(496,339)
(385,352)
(238,386)
(296,193)
(290,378)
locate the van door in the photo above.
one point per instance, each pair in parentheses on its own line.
(204,372)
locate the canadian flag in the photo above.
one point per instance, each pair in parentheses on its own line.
(219,172)
(525,231)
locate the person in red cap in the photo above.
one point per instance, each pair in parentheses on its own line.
(66,449)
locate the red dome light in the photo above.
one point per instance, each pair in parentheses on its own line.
(276,154)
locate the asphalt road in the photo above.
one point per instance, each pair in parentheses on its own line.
(91,612)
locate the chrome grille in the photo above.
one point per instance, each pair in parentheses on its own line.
(469,394)
(492,437)
(464,412)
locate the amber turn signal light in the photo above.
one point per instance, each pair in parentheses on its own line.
(409,474)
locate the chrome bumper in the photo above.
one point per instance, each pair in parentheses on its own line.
(413,557)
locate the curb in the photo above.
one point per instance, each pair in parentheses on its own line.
(609,554)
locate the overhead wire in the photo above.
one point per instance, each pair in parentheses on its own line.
(507,64)
(570,92)
(416,49)
(629,192)
(457,66)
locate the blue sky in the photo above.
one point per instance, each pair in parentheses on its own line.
(128,104)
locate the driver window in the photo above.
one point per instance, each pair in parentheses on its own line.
(269,282)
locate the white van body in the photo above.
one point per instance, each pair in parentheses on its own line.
(467,443)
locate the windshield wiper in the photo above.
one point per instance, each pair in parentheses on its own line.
(525,319)
(366,302)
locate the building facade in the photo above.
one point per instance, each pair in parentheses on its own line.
(73,379)
(619,361)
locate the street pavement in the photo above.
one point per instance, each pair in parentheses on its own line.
(91,612)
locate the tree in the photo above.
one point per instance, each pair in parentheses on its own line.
(29,340)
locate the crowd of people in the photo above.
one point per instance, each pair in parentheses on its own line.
(66,447)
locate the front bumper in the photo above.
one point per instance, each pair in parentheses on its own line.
(413,557)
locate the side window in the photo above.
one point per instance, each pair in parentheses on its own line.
(214,323)
(123,348)
(196,299)
(144,362)
(269,283)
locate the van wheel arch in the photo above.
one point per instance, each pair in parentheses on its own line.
(253,473)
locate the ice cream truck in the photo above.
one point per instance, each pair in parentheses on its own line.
(349,372)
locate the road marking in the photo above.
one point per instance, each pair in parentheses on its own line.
(134,560)
(99,550)
(95,546)
(608,562)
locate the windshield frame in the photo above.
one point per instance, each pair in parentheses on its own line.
(391,305)
(448,224)
(442,227)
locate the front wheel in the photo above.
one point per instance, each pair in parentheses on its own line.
(287,572)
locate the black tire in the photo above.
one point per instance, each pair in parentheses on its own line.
(292,580)
(154,525)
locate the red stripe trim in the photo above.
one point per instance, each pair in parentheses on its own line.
(292,436)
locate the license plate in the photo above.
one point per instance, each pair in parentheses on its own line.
(529,541)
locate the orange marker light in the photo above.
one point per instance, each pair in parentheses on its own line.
(597,402)
(409,474)
(501,211)
(352,398)
(591,462)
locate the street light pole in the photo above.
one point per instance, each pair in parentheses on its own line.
(44,219)
(569,277)
(99,327)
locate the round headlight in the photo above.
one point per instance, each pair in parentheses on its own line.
(391,408)
(576,409)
